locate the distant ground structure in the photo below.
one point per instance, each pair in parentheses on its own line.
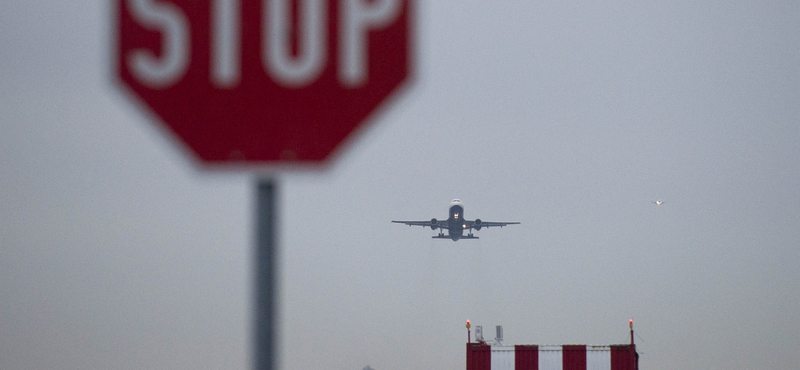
(494,355)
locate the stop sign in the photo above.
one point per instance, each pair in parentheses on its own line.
(262,81)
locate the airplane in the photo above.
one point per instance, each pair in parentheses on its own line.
(658,202)
(456,223)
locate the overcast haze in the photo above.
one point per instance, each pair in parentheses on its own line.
(117,252)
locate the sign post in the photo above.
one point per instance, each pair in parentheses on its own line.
(262,83)
(266,270)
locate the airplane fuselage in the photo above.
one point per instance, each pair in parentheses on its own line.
(455,221)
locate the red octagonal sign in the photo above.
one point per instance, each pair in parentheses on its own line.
(262,81)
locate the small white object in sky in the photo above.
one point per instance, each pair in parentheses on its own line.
(658,202)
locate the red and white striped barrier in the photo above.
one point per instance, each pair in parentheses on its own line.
(481,356)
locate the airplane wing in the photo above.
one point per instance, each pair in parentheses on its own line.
(433,224)
(478,224)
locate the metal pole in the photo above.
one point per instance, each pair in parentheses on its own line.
(265,292)
(630,325)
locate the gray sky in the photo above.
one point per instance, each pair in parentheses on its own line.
(571,117)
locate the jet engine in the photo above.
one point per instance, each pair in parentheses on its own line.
(478,224)
(434,223)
